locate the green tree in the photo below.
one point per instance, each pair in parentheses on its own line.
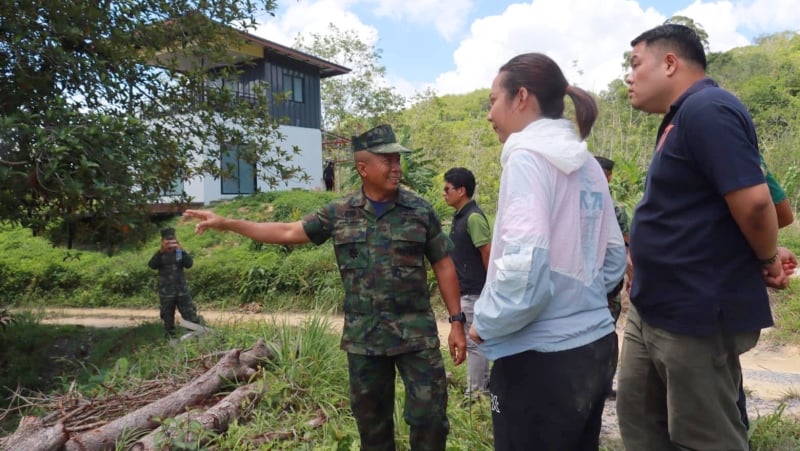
(689,22)
(678,20)
(360,100)
(104,105)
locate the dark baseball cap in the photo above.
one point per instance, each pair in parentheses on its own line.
(605,163)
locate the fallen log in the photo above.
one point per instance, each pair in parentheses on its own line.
(234,365)
(33,435)
(215,419)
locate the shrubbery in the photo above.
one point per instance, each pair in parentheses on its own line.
(228,269)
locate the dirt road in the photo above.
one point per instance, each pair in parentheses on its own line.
(771,373)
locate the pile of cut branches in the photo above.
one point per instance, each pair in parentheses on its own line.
(75,422)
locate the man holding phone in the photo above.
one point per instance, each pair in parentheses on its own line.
(170,261)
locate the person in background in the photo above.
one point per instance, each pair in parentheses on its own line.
(615,296)
(170,261)
(472,237)
(704,248)
(381,236)
(785,217)
(556,252)
(778,195)
(327,175)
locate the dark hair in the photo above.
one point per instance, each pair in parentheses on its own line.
(459,177)
(542,77)
(681,39)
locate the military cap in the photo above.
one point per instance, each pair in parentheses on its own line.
(167,233)
(605,163)
(380,139)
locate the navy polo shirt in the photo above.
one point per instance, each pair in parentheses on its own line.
(694,271)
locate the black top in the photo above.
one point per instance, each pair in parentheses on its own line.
(466,257)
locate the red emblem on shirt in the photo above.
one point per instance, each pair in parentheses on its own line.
(664,137)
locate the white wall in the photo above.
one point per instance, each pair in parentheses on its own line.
(207,189)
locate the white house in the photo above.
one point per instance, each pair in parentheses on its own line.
(286,70)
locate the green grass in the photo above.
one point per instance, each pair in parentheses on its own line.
(306,404)
(41,358)
(307,381)
(775,432)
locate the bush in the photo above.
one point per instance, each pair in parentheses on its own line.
(215,280)
(293,205)
(227,266)
(58,276)
(14,282)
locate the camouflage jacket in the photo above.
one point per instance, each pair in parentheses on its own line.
(171,280)
(622,219)
(381,261)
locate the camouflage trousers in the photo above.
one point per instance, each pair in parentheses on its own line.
(372,382)
(185,306)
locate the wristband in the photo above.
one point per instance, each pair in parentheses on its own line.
(769,261)
(460,317)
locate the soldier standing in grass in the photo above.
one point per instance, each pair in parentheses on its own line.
(614,296)
(381,236)
(170,261)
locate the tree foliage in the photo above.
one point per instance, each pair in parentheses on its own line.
(360,100)
(104,105)
(452,130)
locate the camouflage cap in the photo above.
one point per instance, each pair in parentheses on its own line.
(168,233)
(380,139)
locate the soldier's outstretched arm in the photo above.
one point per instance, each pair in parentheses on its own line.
(266,232)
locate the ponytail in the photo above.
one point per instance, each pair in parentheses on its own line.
(585,109)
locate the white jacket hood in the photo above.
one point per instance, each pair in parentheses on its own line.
(555,140)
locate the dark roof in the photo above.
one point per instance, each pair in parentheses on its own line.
(326,68)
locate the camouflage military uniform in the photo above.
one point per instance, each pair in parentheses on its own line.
(388,318)
(172,289)
(615,300)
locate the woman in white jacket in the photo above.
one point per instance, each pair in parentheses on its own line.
(556,251)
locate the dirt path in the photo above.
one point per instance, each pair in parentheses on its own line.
(771,373)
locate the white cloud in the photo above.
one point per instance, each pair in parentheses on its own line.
(720,21)
(448,16)
(309,17)
(768,16)
(585,37)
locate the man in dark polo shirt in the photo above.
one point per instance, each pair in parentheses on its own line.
(703,247)
(472,238)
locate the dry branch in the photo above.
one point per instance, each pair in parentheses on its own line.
(235,365)
(32,434)
(215,419)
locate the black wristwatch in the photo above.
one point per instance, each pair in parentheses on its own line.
(460,316)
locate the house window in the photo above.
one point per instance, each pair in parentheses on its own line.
(239,176)
(293,87)
(176,189)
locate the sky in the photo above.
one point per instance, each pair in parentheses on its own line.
(457,46)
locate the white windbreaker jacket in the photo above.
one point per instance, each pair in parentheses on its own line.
(557,248)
